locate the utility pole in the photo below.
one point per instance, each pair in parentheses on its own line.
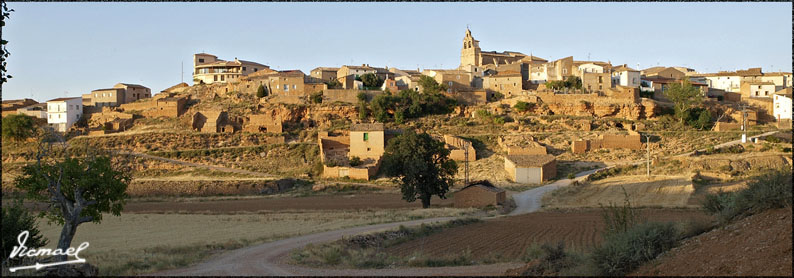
(466,163)
(744,124)
(183,72)
(648,159)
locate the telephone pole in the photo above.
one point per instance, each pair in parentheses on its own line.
(648,157)
(744,124)
(466,163)
(183,72)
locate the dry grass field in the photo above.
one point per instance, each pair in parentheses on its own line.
(659,191)
(133,244)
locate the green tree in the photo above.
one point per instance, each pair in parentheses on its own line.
(371,80)
(261,92)
(78,190)
(317,97)
(684,96)
(334,84)
(573,82)
(18,127)
(421,165)
(363,112)
(354,161)
(522,106)
(429,85)
(17,219)
(3,51)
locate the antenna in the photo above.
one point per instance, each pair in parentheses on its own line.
(182,76)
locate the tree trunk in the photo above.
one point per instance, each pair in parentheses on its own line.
(425,201)
(67,234)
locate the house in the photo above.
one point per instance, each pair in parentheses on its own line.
(347,75)
(754,89)
(38,110)
(507,83)
(120,93)
(367,142)
(62,113)
(456,80)
(626,76)
(594,77)
(10,106)
(731,81)
(391,85)
(286,83)
(208,69)
(263,123)
(324,73)
(531,168)
(663,72)
(460,149)
(479,194)
(782,106)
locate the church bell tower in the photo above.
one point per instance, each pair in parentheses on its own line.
(470,54)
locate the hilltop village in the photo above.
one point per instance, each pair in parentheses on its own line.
(353,110)
(295,167)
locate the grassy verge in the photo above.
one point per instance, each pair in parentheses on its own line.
(772,189)
(367,251)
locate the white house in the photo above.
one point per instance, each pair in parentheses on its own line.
(38,110)
(782,104)
(626,76)
(591,68)
(62,113)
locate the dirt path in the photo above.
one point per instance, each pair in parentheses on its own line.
(270,259)
(530,200)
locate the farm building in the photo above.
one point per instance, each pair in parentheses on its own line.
(479,194)
(534,168)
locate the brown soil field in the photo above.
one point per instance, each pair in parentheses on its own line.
(322,202)
(759,245)
(659,191)
(509,237)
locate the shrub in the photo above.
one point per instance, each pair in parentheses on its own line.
(260,92)
(571,176)
(16,219)
(522,106)
(624,251)
(771,189)
(355,161)
(619,219)
(317,97)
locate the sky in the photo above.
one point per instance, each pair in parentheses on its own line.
(68,49)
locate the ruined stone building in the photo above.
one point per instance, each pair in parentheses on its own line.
(263,123)
(630,141)
(460,148)
(212,121)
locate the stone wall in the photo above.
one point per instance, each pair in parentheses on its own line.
(347,95)
(263,123)
(723,126)
(632,141)
(458,147)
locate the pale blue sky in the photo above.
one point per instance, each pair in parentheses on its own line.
(67,49)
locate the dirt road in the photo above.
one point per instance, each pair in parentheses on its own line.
(530,200)
(270,259)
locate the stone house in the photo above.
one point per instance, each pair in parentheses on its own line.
(533,169)
(632,141)
(754,89)
(626,76)
(479,194)
(119,94)
(263,123)
(508,83)
(38,110)
(10,106)
(663,72)
(324,73)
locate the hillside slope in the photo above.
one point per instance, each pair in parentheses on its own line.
(759,245)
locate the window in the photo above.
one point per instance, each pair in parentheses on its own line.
(50,115)
(286,88)
(216,77)
(243,68)
(294,86)
(71,107)
(255,69)
(59,116)
(366,137)
(449,83)
(201,60)
(600,79)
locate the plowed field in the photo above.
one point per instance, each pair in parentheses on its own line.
(509,237)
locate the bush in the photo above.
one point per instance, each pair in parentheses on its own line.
(18,127)
(624,251)
(317,97)
(767,191)
(16,219)
(260,92)
(571,176)
(523,106)
(355,161)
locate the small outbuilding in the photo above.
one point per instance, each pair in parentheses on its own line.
(534,168)
(479,194)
